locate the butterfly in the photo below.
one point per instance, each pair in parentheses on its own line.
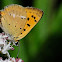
(17,21)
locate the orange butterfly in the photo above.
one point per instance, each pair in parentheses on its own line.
(17,21)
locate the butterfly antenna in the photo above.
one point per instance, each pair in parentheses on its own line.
(18,49)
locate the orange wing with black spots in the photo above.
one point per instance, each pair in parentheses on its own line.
(33,16)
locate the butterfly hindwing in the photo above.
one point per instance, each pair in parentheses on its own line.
(33,16)
(13,19)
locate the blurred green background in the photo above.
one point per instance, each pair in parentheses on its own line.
(44,42)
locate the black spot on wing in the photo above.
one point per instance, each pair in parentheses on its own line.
(9,24)
(35,20)
(27,18)
(32,16)
(15,26)
(28,25)
(24,29)
(20,28)
(21,33)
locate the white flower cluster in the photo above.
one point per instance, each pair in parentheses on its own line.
(5,46)
(11,60)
